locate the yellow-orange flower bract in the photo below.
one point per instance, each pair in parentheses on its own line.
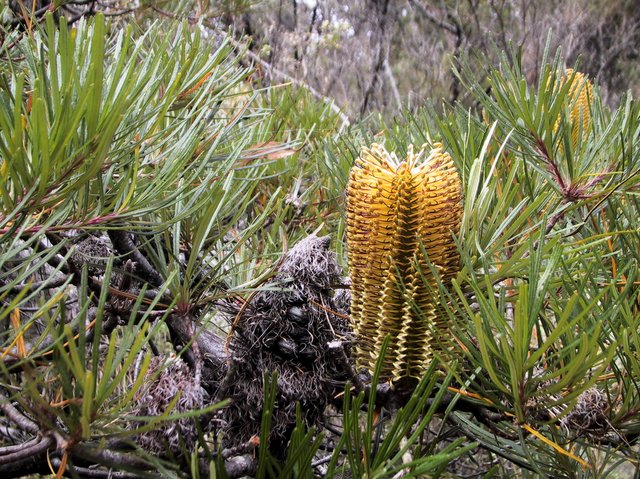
(401,220)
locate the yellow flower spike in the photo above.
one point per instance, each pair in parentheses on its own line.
(393,210)
(578,102)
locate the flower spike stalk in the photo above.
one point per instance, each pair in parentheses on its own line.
(396,212)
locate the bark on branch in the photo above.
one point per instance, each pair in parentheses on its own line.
(123,243)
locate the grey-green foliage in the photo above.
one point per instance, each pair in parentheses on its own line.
(106,128)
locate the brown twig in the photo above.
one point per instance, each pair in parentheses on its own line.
(15,416)
(33,447)
(123,244)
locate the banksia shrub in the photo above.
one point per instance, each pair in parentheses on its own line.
(401,222)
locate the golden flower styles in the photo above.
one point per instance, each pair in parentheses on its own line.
(396,212)
(578,104)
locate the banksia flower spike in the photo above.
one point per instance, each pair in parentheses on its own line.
(394,209)
(578,103)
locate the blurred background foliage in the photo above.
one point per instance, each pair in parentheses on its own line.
(157,158)
(382,55)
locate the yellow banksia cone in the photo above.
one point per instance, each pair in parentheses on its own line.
(394,209)
(578,102)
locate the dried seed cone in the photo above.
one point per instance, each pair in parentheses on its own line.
(397,212)
(578,102)
(164,380)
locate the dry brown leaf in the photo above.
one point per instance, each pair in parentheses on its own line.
(271,150)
